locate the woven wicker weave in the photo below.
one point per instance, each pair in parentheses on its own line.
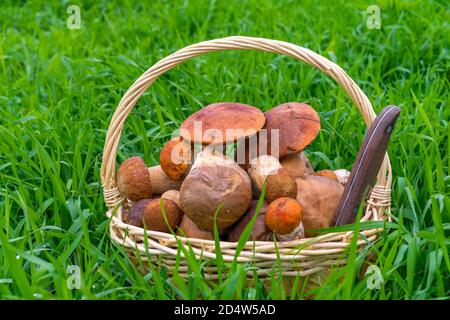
(300,257)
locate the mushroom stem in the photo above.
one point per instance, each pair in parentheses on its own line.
(161,182)
(298,165)
(342,176)
(261,167)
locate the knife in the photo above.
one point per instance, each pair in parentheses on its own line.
(367,164)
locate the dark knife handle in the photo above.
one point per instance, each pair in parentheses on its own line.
(367,164)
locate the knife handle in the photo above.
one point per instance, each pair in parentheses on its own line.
(367,164)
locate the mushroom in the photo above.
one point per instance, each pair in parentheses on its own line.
(221,123)
(148,213)
(161,182)
(175,158)
(289,128)
(173,195)
(279,182)
(215,182)
(284,218)
(260,231)
(319,197)
(136,182)
(327,173)
(133,179)
(297,164)
(298,125)
(342,176)
(189,229)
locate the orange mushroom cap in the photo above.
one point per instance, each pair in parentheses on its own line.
(283,215)
(233,121)
(298,126)
(175,157)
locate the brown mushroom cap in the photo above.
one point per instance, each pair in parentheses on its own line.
(327,173)
(154,217)
(298,126)
(319,197)
(136,213)
(133,179)
(280,183)
(189,229)
(175,158)
(243,119)
(298,165)
(260,231)
(213,182)
(283,215)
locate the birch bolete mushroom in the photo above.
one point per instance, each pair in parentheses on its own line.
(319,197)
(284,218)
(148,213)
(215,182)
(260,231)
(279,182)
(136,182)
(188,228)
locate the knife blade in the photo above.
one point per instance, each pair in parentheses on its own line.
(367,164)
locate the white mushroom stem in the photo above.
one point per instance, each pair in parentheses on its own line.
(298,233)
(161,182)
(261,167)
(342,175)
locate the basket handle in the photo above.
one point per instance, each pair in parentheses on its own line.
(128,101)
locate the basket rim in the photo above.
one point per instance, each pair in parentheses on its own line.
(320,250)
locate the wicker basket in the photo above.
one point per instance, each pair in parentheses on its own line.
(302,257)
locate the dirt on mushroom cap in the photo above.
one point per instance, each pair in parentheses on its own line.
(240,118)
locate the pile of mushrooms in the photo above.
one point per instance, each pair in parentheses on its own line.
(197,186)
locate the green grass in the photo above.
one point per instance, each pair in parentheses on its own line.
(59,88)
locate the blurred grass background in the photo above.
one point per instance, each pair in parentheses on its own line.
(59,88)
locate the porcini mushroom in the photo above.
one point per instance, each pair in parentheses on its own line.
(319,197)
(215,182)
(161,182)
(260,231)
(133,179)
(175,158)
(173,195)
(188,228)
(284,218)
(279,182)
(148,213)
